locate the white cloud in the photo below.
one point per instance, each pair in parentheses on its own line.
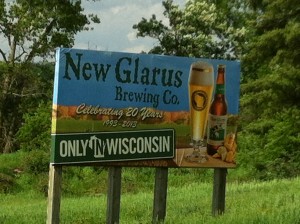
(131,36)
(137,49)
(116,10)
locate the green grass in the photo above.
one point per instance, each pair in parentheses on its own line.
(276,201)
(7,161)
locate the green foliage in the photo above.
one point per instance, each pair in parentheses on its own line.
(35,132)
(84,180)
(10,167)
(36,162)
(282,144)
(31,30)
(265,35)
(32,160)
(6,183)
(269,146)
(38,27)
(30,85)
(203,28)
(270,94)
(275,44)
(34,172)
(32,184)
(9,162)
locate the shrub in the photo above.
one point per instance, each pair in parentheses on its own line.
(36,162)
(6,183)
(36,130)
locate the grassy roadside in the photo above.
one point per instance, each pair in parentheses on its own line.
(276,201)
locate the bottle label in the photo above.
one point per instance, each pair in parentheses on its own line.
(220,89)
(216,129)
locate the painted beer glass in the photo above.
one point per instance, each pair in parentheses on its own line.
(201,82)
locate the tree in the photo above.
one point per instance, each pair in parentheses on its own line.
(265,35)
(204,28)
(31,29)
(271,93)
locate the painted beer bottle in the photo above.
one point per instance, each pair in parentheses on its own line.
(217,117)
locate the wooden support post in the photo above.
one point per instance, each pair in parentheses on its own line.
(113,195)
(218,200)
(54,194)
(160,195)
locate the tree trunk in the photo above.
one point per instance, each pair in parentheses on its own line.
(4,131)
(9,115)
(9,137)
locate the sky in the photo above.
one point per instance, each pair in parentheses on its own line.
(115,32)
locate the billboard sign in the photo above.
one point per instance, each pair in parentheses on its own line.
(131,109)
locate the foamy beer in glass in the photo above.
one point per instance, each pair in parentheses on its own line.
(201,83)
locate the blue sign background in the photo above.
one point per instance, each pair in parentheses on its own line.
(71,90)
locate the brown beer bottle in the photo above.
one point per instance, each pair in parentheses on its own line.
(217,117)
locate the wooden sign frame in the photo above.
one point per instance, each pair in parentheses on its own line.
(121,109)
(114,194)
